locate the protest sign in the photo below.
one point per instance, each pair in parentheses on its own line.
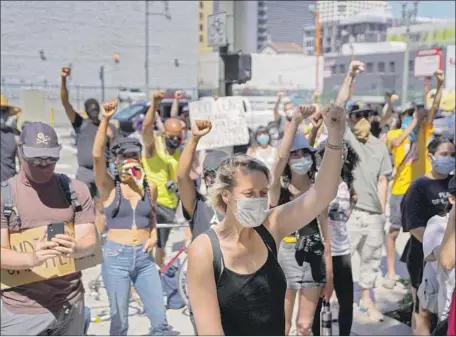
(60,266)
(229,121)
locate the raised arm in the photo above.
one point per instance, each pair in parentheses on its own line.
(299,115)
(103,180)
(346,89)
(277,104)
(387,111)
(175,106)
(290,217)
(64,95)
(438,95)
(418,117)
(148,124)
(184,181)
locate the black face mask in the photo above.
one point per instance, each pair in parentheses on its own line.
(173,143)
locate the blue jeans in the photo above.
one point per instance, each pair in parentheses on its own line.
(122,266)
(87,318)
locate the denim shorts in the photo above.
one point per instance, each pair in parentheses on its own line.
(298,277)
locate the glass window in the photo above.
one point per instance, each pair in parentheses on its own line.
(201,38)
(201,27)
(201,4)
(333,69)
(342,68)
(392,67)
(381,67)
(411,65)
(369,67)
(201,16)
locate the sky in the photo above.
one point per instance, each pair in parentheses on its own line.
(430,9)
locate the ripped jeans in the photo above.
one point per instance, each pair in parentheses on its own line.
(124,265)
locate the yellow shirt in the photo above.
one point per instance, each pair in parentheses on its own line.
(408,171)
(161,168)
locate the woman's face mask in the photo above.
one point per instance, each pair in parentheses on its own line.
(443,165)
(251,212)
(131,169)
(301,165)
(262,139)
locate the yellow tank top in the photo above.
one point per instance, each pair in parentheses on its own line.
(161,168)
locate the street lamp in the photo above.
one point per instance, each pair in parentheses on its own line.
(313,10)
(167,15)
(408,17)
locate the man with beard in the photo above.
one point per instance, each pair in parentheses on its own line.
(86,130)
(9,139)
(33,199)
(160,161)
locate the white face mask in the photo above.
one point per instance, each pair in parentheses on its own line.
(301,165)
(251,212)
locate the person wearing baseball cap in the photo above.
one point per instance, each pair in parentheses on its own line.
(41,197)
(9,135)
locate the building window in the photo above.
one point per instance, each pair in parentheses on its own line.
(201,38)
(201,27)
(411,66)
(392,67)
(201,16)
(342,68)
(369,67)
(381,67)
(201,4)
(333,69)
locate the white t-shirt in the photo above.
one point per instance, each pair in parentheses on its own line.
(338,213)
(432,240)
(267,155)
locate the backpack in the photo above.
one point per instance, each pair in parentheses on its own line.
(170,283)
(8,199)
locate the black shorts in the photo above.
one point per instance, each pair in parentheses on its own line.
(165,215)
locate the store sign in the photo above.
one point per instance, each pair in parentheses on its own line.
(428,61)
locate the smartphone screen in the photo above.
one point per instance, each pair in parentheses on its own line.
(55,228)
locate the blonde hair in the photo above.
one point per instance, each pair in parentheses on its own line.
(226,177)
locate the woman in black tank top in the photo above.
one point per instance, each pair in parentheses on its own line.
(236,285)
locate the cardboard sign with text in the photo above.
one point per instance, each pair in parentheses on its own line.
(52,268)
(229,121)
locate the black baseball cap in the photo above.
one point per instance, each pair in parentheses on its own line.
(39,140)
(213,160)
(124,145)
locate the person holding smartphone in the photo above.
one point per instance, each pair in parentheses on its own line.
(54,306)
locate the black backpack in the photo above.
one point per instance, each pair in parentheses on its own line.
(8,199)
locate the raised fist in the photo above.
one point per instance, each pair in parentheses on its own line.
(201,128)
(179,94)
(334,118)
(355,68)
(158,96)
(304,111)
(439,76)
(66,71)
(280,95)
(109,109)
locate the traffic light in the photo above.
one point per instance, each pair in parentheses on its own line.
(238,68)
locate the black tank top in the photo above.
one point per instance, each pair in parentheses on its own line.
(252,304)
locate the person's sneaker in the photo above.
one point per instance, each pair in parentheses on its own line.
(371,311)
(389,282)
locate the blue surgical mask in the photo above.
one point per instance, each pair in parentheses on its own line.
(301,166)
(262,139)
(443,165)
(405,123)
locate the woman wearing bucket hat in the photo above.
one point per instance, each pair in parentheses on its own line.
(9,138)
(305,261)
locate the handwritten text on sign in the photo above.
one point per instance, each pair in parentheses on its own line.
(229,121)
(59,266)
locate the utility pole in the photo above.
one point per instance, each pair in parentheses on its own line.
(102,83)
(408,17)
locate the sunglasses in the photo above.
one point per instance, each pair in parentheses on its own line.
(361,114)
(40,161)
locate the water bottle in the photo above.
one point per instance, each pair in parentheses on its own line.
(325,319)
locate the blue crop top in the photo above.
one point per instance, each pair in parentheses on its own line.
(143,215)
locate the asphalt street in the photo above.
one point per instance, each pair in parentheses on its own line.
(387,300)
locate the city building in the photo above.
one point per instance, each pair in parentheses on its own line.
(205,8)
(274,48)
(367,26)
(425,34)
(333,11)
(383,70)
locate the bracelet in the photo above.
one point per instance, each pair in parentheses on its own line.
(334,147)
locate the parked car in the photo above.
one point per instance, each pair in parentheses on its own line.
(126,116)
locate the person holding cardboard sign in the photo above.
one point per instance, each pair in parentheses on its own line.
(38,300)
(129,206)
